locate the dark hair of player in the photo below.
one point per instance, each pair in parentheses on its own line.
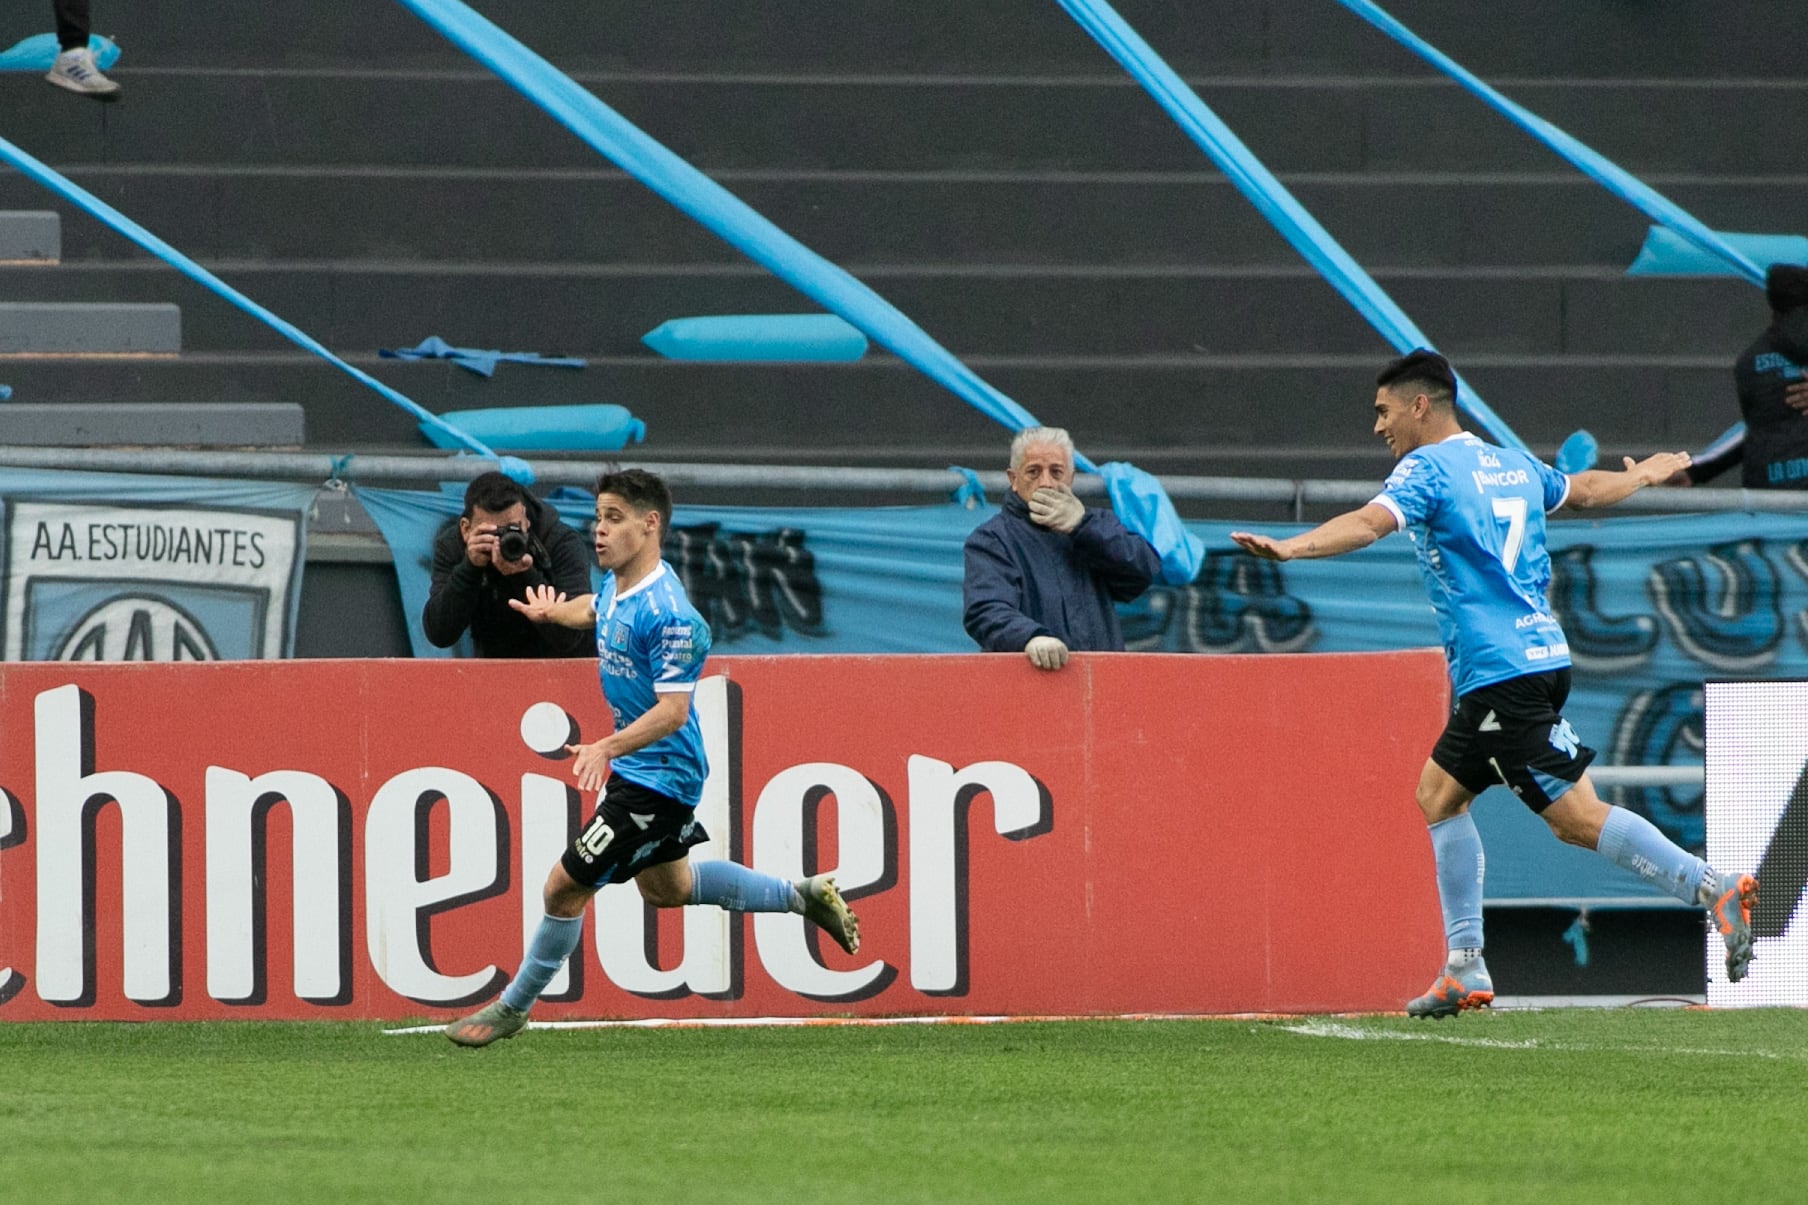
(1421,371)
(641,490)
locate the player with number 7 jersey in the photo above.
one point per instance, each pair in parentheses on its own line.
(1475,514)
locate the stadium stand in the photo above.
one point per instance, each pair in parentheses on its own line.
(30,237)
(992,173)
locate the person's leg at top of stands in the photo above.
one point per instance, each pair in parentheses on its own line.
(74,69)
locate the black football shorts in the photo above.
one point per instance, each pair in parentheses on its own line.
(1513,734)
(632,828)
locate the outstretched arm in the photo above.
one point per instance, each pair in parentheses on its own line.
(1346,533)
(1599,487)
(546,605)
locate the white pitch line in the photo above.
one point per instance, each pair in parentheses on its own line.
(1331,1029)
(793,1022)
(1355,1033)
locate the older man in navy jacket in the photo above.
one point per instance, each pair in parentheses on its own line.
(1042,574)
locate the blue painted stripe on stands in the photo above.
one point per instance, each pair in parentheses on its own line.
(714,207)
(1267,194)
(1591,163)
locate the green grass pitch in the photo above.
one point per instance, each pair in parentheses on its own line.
(1588,1106)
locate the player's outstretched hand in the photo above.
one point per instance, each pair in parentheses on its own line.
(539,603)
(1797,396)
(1266,547)
(1659,469)
(591,766)
(1057,510)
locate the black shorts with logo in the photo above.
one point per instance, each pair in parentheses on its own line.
(1513,733)
(632,828)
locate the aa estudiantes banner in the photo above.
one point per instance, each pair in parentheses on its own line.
(369,839)
(115,567)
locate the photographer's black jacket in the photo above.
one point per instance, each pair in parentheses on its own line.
(464,597)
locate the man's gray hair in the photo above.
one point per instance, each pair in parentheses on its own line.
(1031,437)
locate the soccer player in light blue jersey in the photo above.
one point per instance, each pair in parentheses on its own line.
(650,645)
(1475,514)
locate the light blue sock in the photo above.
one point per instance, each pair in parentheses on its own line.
(1631,842)
(553,943)
(741,889)
(1458,848)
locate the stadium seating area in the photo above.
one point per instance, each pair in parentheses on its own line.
(987,168)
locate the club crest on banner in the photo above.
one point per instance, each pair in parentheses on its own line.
(88,582)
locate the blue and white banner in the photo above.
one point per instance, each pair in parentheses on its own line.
(1652,607)
(112,567)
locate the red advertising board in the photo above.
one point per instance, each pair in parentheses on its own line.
(368,839)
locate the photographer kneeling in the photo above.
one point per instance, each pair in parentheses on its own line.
(506,541)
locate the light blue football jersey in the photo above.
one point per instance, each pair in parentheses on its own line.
(650,641)
(1475,514)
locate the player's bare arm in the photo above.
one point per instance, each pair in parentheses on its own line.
(544,604)
(1601,487)
(666,716)
(1346,533)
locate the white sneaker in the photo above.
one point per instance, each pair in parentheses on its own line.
(75,70)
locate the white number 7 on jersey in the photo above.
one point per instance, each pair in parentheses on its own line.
(1513,510)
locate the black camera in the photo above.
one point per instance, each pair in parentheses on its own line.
(512,542)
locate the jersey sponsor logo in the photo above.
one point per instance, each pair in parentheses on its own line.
(1485,480)
(1401,472)
(1536,619)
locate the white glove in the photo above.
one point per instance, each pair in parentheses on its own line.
(1056,510)
(1045,652)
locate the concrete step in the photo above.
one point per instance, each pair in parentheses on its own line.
(30,237)
(1096,122)
(1158,219)
(358,306)
(1508,37)
(1196,404)
(33,328)
(152,424)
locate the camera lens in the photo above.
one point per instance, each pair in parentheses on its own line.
(511,543)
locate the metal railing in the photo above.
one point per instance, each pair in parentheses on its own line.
(396,468)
